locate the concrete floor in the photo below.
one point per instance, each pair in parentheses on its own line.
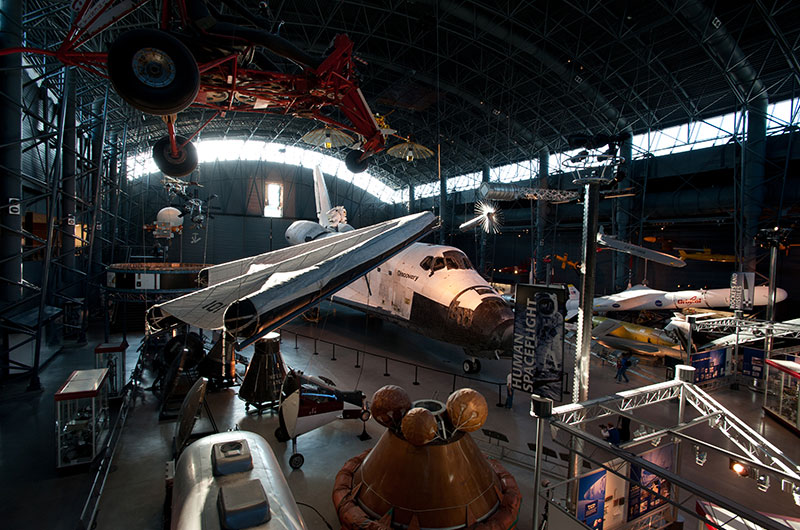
(134,494)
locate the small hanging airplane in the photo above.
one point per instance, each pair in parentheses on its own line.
(431,289)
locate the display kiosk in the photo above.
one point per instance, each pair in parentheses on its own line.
(783,383)
(82,417)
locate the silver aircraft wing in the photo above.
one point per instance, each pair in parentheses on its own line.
(279,285)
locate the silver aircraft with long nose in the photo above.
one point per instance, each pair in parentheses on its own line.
(431,289)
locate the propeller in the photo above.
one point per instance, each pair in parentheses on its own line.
(487,216)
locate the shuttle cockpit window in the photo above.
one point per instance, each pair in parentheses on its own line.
(438,264)
(457,260)
(426,263)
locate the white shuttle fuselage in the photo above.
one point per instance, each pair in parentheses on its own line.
(434,290)
(431,289)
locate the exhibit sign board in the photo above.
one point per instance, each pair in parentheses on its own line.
(647,491)
(538,358)
(591,499)
(743,288)
(708,365)
(752,362)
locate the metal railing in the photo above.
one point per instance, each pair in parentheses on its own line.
(361,354)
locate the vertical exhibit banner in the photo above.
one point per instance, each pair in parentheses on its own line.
(591,499)
(743,289)
(708,365)
(752,362)
(538,358)
(646,490)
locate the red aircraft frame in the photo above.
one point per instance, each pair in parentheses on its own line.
(163,71)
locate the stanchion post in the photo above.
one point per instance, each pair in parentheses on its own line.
(541,409)
(385,367)
(416,374)
(333,355)
(357,365)
(315,347)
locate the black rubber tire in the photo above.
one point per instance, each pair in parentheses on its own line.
(175,167)
(467,366)
(296,461)
(352,162)
(153,71)
(476,366)
(365,415)
(281,435)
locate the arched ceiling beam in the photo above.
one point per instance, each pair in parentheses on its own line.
(720,46)
(614,118)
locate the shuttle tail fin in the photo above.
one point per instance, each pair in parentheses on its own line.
(323,201)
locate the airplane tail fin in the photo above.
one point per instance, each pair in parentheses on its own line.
(573,293)
(323,201)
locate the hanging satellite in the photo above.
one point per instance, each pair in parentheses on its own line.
(328,138)
(409,151)
(487,216)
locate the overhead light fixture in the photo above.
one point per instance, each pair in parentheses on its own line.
(763,482)
(328,138)
(409,151)
(700,456)
(738,468)
(656,441)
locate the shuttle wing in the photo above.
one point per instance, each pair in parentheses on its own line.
(273,287)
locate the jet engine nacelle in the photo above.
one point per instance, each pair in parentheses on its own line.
(304,231)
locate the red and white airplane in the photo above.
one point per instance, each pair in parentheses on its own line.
(643,298)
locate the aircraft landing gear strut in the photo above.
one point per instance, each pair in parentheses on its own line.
(471,366)
(296,460)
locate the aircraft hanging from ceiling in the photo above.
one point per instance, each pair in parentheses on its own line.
(643,298)
(253,296)
(641,340)
(431,289)
(641,252)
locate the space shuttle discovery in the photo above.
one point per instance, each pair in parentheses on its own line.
(641,298)
(431,289)
(252,296)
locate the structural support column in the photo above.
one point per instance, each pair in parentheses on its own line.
(443,213)
(11,154)
(69,169)
(754,189)
(485,174)
(98,141)
(623,216)
(542,218)
(580,380)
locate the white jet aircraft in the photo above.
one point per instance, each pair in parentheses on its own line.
(642,298)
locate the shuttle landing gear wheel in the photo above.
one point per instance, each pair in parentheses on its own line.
(281,435)
(471,366)
(352,162)
(296,461)
(153,71)
(175,166)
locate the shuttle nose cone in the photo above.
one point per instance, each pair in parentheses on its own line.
(493,325)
